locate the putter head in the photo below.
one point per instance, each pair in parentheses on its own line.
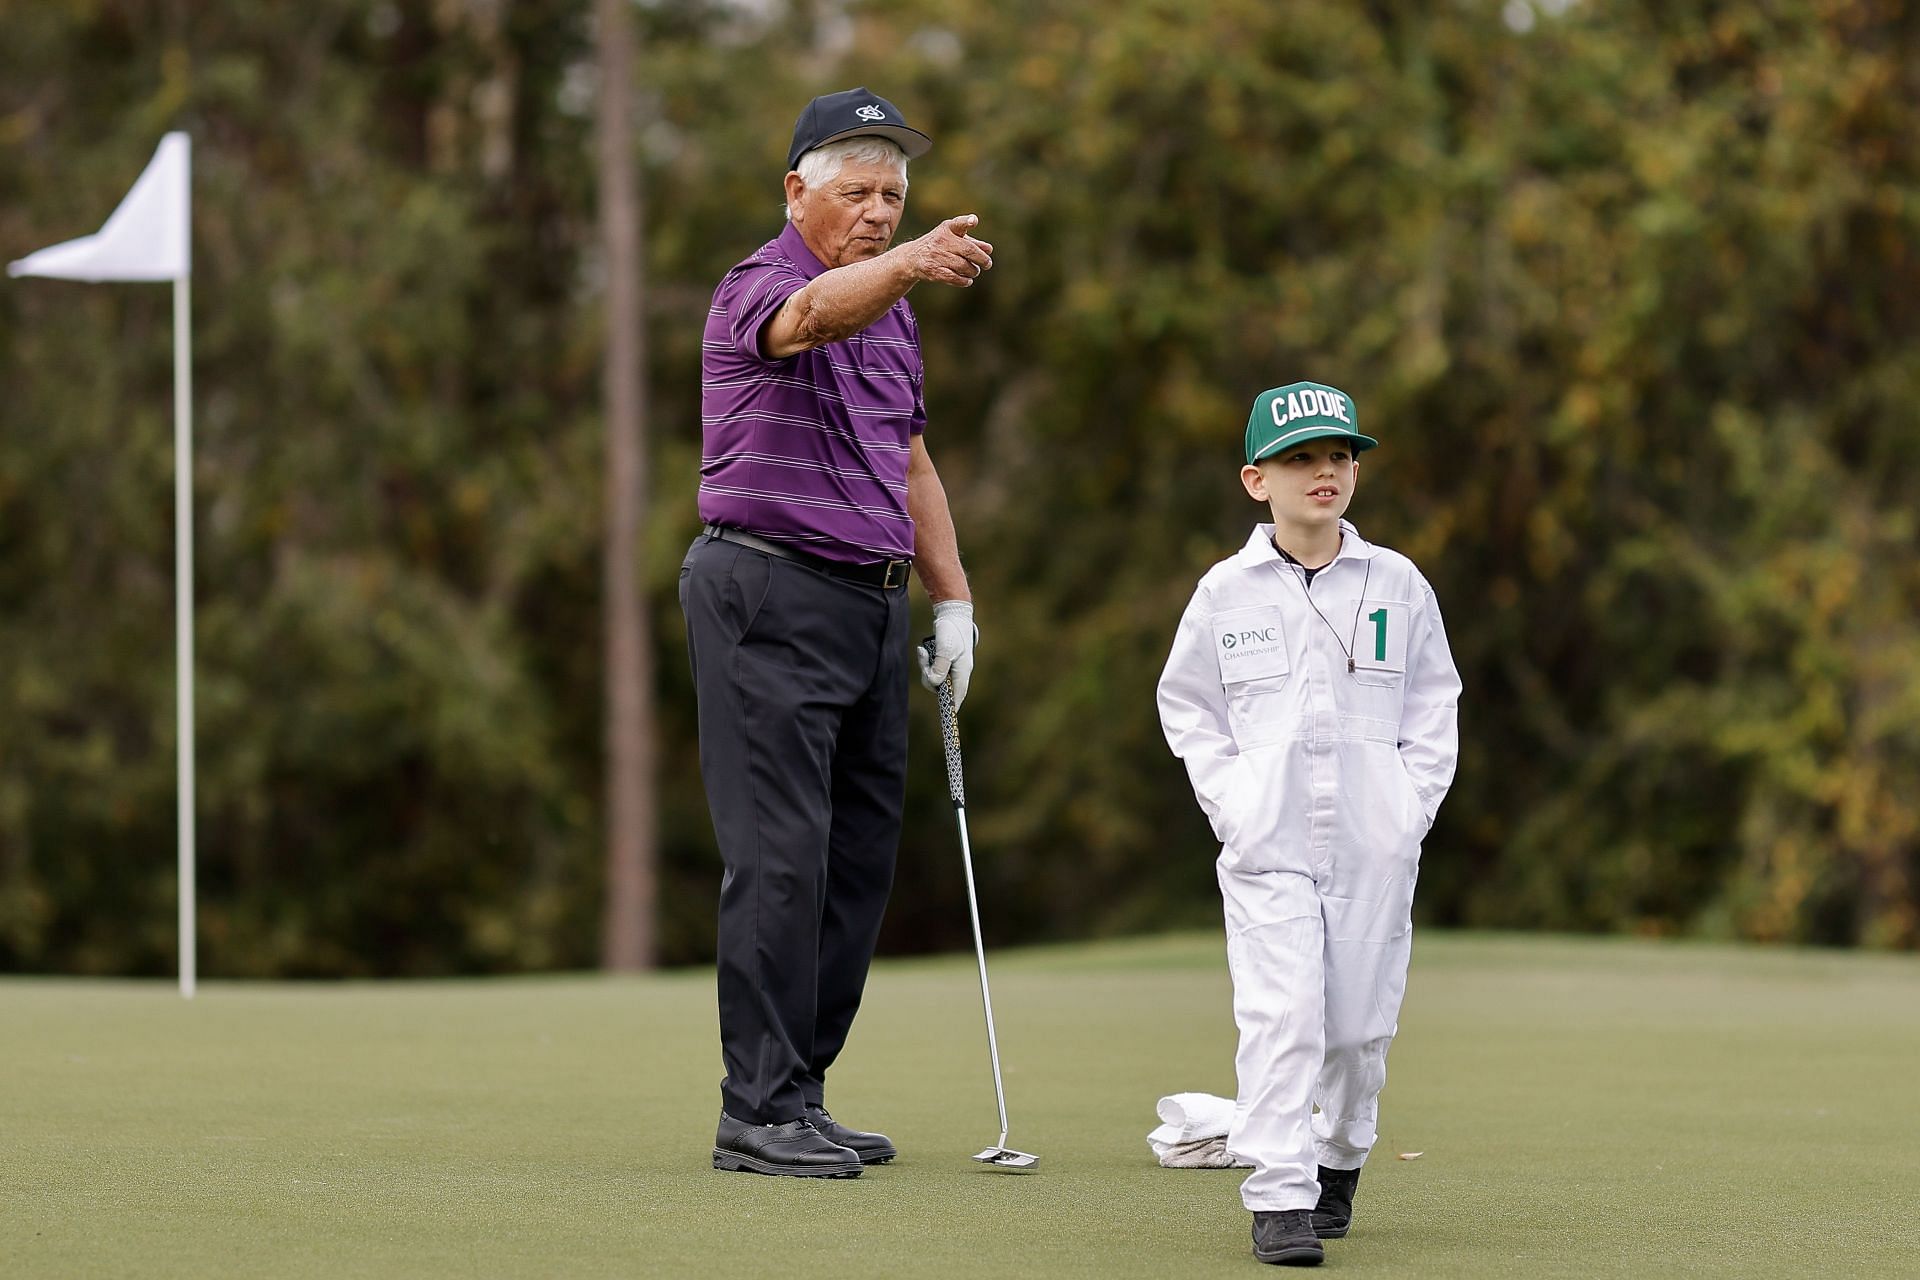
(1007,1158)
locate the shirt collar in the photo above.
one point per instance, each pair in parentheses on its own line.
(795,247)
(1260,548)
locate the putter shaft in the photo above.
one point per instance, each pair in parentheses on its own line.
(980,954)
(998,1154)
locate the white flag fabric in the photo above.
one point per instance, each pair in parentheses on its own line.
(145,239)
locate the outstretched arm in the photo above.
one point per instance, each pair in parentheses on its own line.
(839,303)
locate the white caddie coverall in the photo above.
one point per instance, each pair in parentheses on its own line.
(1321,777)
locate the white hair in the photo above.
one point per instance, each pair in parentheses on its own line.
(823,164)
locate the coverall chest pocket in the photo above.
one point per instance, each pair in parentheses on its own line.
(1380,642)
(1251,647)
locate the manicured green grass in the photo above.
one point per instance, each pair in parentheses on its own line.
(1585,1108)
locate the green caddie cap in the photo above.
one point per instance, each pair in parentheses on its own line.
(1301,411)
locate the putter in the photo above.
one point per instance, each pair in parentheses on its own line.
(1000,1154)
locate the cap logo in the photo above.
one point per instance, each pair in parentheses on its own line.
(1306,404)
(870,112)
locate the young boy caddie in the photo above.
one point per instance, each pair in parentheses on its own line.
(1311,694)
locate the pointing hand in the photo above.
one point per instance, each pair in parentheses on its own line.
(949,255)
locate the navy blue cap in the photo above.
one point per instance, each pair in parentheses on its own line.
(853,113)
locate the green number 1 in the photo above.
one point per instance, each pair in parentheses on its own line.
(1379,620)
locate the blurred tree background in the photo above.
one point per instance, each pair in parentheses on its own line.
(1630,293)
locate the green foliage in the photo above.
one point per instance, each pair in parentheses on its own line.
(1630,298)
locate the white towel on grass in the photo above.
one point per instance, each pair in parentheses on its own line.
(1193,1132)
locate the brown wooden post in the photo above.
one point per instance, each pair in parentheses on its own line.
(627,935)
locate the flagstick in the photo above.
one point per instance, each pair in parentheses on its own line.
(149,236)
(183,608)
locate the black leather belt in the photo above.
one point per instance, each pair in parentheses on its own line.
(888,575)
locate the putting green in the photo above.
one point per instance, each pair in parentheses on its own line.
(1585,1108)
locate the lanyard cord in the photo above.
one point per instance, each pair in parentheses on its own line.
(1346,647)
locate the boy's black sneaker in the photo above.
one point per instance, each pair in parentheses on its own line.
(1334,1214)
(1286,1238)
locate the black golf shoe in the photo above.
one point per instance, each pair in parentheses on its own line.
(1334,1214)
(1286,1238)
(872,1148)
(795,1149)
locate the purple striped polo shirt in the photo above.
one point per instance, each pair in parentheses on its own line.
(811,450)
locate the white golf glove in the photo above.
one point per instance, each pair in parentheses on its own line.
(954,636)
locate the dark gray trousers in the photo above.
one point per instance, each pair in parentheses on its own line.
(801,680)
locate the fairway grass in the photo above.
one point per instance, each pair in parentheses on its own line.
(1585,1108)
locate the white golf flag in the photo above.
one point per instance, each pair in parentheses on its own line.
(149,238)
(145,239)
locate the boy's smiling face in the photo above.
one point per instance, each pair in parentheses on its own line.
(1308,486)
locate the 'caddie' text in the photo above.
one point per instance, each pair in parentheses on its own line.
(1309,404)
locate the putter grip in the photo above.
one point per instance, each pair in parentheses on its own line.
(949,737)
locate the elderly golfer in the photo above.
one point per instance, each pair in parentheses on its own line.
(818,497)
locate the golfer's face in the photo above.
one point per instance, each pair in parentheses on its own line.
(852,216)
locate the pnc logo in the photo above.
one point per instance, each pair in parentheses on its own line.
(871,112)
(1234,639)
